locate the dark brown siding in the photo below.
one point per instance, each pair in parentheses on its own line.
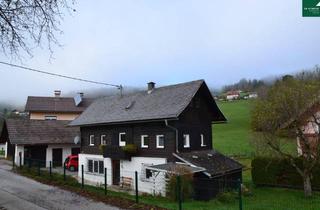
(133,135)
(195,120)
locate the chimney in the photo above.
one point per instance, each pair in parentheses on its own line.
(57,93)
(151,86)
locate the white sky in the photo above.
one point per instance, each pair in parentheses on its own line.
(132,42)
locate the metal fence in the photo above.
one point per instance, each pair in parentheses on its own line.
(179,193)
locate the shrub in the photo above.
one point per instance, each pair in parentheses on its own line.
(227,197)
(186,184)
(279,172)
(102,148)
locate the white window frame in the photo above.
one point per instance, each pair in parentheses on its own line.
(157,141)
(186,141)
(122,143)
(93,168)
(103,140)
(91,138)
(143,145)
(202,140)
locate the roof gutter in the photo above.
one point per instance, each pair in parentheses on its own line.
(176,130)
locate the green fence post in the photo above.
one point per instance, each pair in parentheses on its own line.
(137,190)
(50,169)
(64,172)
(82,177)
(105,181)
(240,194)
(179,192)
(20,160)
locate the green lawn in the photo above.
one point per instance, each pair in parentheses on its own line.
(233,137)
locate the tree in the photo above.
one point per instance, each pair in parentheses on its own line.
(25,23)
(289,105)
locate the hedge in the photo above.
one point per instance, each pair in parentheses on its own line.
(278,172)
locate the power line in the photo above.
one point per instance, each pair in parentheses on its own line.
(60,75)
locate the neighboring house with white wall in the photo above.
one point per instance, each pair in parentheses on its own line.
(44,134)
(152,132)
(40,140)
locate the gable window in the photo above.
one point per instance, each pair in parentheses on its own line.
(50,117)
(186,140)
(96,166)
(144,141)
(91,140)
(103,140)
(203,144)
(160,141)
(122,139)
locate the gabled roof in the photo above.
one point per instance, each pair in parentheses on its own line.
(55,104)
(215,163)
(26,131)
(166,102)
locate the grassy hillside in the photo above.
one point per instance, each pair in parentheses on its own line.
(234,136)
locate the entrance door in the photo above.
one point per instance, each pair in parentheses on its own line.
(75,151)
(115,172)
(57,157)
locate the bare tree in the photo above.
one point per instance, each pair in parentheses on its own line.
(25,24)
(291,110)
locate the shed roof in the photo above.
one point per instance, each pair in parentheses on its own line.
(166,102)
(214,162)
(175,168)
(55,104)
(26,131)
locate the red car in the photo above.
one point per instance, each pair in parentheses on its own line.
(72,162)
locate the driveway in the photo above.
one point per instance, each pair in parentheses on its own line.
(21,193)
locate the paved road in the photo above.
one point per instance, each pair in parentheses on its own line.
(20,193)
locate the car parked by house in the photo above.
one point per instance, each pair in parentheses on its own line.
(72,162)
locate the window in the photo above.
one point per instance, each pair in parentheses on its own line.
(202,140)
(144,141)
(91,140)
(186,140)
(50,117)
(96,166)
(160,141)
(146,174)
(103,140)
(122,139)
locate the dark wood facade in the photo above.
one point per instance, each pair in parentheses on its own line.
(195,120)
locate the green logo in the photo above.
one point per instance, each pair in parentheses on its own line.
(311,8)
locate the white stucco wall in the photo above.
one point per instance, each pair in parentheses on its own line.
(153,185)
(66,151)
(18,149)
(93,179)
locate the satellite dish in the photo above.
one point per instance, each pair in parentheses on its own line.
(77,99)
(76,140)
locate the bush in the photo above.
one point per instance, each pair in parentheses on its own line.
(279,172)
(186,184)
(227,197)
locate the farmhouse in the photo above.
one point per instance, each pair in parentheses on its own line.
(44,135)
(308,120)
(154,132)
(233,95)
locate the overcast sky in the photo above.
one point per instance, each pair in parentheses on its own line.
(133,42)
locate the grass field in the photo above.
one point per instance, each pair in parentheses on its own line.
(234,136)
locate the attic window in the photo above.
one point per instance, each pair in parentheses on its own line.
(50,117)
(122,139)
(186,140)
(91,140)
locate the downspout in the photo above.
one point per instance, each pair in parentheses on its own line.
(176,130)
